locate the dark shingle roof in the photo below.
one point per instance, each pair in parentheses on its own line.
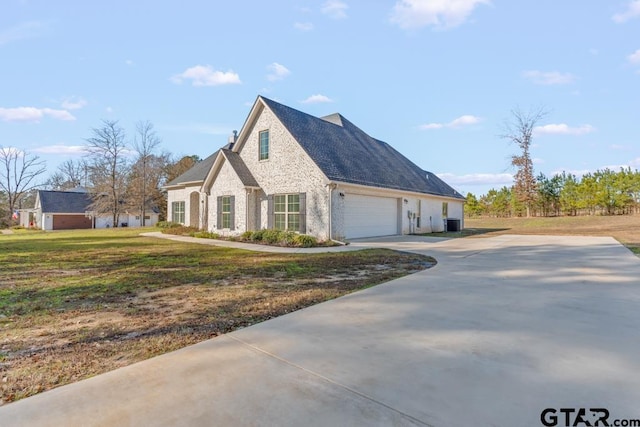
(346,154)
(64,201)
(240,168)
(198,172)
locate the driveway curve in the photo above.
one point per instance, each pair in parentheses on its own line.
(499,330)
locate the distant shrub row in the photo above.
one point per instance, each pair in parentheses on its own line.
(264,237)
(168,224)
(279,238)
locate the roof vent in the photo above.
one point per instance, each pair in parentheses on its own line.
(334,118)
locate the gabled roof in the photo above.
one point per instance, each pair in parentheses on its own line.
(64,201)
(345,153)
(241,169)
(196,174)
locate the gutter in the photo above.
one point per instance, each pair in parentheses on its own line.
(332,186)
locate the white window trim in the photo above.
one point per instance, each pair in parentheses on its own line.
(266,131)
(174,211)
(286,212)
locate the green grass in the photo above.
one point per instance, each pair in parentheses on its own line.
(77,303)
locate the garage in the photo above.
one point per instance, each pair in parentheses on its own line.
(70,222)
(370,216)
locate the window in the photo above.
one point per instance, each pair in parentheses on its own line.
(226,212)
(264,145)
(445,209)
(177,212)
(286,212)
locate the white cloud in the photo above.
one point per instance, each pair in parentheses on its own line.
(108,110)
(563,129)
(477,178)
(61,149)
(549,77)
(577,172)
(58,114)
(431,126)
(635,162)
(633,11)
(316,99)
(277,72)
(128,62)
(303,26)
(335,9)
(537,161)
(33,114)
(24,30)
(634,58)
(441,14)
(205,75)
(455,123)
(464,120)
(73,103)
(11,151)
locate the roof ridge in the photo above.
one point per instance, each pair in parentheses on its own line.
(348,154)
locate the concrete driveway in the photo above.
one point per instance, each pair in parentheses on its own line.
(499,330)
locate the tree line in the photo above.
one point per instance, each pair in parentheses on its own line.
(121,173)
(603,192)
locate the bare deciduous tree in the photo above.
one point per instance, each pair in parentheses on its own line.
(519,130)
(108,166)
(70,174)
(18,173)
(146,171)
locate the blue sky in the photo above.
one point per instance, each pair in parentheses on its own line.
(436,79)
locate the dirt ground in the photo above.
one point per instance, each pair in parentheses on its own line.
(95,303)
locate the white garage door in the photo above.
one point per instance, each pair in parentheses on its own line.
(368,216)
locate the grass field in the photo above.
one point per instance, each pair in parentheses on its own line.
(624,228)
(79,303)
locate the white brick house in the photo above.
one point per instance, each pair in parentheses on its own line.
(319,176)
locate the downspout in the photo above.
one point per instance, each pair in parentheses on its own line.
(331,187)
(246,207)
(204,211)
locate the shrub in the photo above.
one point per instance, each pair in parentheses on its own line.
(205,235)
(288,238)
(181,230)
(272,236)
(256,236)
(168,224)
(280,237)
(305,241)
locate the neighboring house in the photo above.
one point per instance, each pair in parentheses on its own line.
(324,176)
(67,210)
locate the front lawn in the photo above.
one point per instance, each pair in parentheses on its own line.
(79,303)
(624,228)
